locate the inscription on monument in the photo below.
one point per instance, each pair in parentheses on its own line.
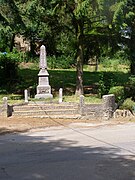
(42,90)
(43,80)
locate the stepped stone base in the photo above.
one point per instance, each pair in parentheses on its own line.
(69,116)
(43,96)
(62,110)
(47,110)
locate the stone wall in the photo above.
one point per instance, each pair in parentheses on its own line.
(121,113)
(104,110)
(92,110)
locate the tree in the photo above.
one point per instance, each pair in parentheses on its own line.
(4,30)
(11,16)
(79,28)
(125,21)
(110,32)
(130,20)
(76,17)
(60,17)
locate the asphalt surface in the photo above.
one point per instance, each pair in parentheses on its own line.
(77,152)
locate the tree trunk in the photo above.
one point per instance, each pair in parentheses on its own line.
(12,42)
(79,65)
(32,48)
(132,55)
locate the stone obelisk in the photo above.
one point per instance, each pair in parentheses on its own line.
(43,88)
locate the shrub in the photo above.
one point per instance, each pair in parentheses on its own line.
(8,67)
(116,62)
(105,83)
(122,56)
(61,62)
(130,87)
(128,104)
(119,93)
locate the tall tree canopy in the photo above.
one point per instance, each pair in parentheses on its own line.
(125,22)
(76,28)
(12,21)
(77,17)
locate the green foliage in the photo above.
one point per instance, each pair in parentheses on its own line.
(120,57)
(105,83)
(5,36)
(125,23)
(128,104)
(12,98)
(8,67)
(108,63)
(15,97)
(118,62)
(87,99)
(132,80)
(63,78)
(61,62)
(119,93)
(130,87)
(70,29)
(11,23)
(101,88)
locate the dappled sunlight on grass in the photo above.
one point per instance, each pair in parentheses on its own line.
(117,68)
(87,99)
(66,79)
(12,98)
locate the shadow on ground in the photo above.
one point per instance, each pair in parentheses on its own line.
(41,157)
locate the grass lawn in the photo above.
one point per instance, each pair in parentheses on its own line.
(66,79)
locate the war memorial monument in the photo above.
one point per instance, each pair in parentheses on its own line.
(43,88)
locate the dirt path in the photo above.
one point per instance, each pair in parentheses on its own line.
(19,124)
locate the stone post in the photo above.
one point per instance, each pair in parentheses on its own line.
(81,104)
(26,96)
(108,106)
(5,107)
(60,95)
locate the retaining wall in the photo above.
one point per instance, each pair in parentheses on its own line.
(105,110)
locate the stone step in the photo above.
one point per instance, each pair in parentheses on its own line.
(68,116)
(45,112)
(43,107)
(51,103)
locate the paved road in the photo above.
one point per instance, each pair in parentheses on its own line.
(58,153)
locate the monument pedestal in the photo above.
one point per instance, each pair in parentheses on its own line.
(43,89)
(43,92)
(43,96)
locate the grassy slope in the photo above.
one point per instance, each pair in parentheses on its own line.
(66,79)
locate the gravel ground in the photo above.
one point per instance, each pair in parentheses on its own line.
(22,124)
